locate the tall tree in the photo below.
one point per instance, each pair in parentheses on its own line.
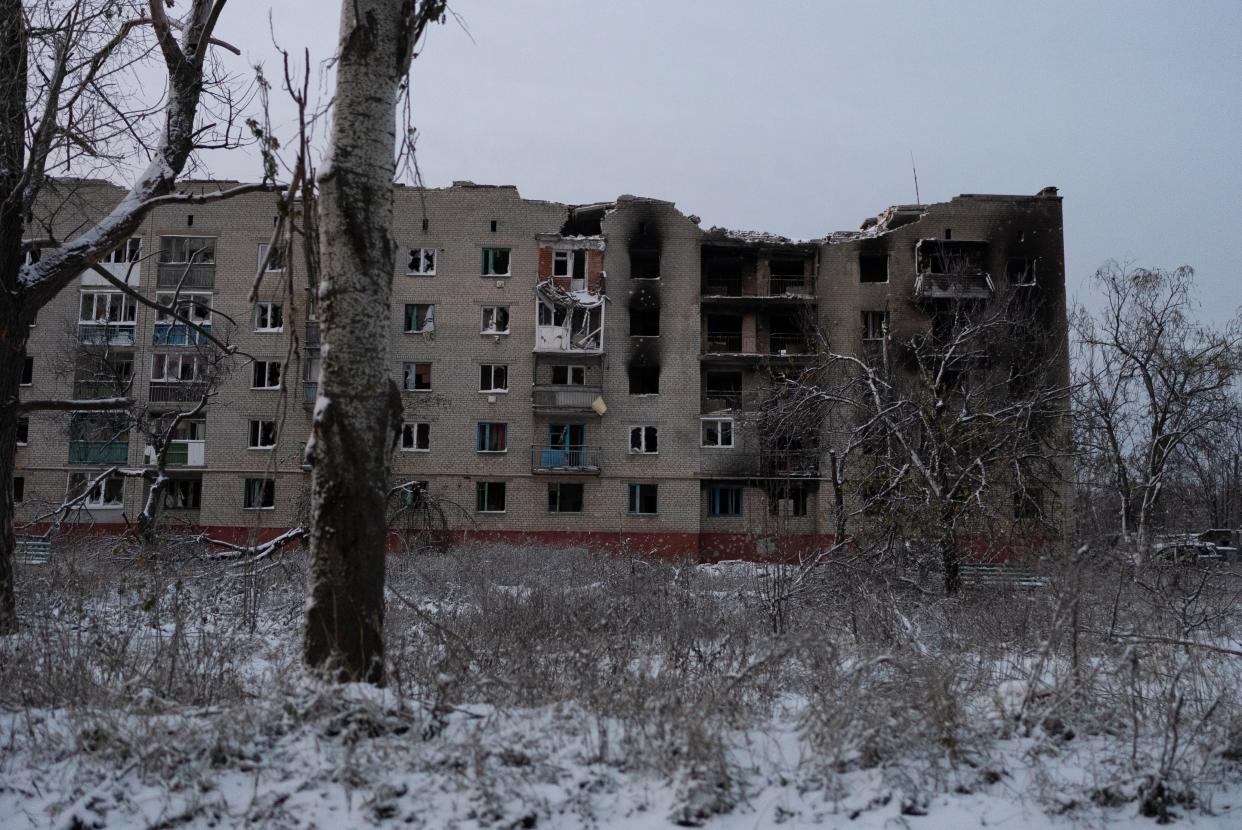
(358,415)
(1151,378)
(69,100)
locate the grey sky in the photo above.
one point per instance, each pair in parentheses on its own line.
(799,117)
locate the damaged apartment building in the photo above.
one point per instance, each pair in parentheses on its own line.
(570,374)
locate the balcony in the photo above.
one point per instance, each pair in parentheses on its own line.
(722,342)
(181,453)
(186,276)
(791,463)
(579,460)
(90,390)
(161,391)
(179,334)
(98,452)
(106,334)
(953,287)
(720,400)
(788,343)
(310,392)
(565,398)
(312,334)
(129,273)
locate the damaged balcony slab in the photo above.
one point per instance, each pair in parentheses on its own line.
(569,322)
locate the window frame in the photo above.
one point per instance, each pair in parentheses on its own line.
(181,359)
(643,439)
(267,374)
(419,432)
(279,265)
(19,489)
(128,308)
(266,488)
(487,375)
(555,487)
(91,502)
(130,251)
(264,310)
(27,378)
(409,372)
(255,434)
(489,261)
(482,492)
(190,257)
(483,320)
(570,369)
(422,270)
(485,433)
(634,498)
(23,430)
(867,316)
(703,422)
(188,303)
(736,500)
(429,318)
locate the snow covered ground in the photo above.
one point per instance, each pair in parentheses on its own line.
(562,690)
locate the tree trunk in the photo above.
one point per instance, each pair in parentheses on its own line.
(13,329)
(950,556)
(358,415)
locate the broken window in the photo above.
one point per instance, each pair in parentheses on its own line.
(274,262)
(183,367)
(789,499)
(420,318)
(416,437)
(107,307)
(644,380)
(722,275)
(268,317)
(107,493)
(492,436)
(495,262)
(645,439)
(259,494)
(265,375)
(565,497)
(416,377)
(571,264)
(27,371)
(717,432)
(787,276)
(722,390)
(645,263)
(1020,271)
(873,267)
(187,249)
(875,325)
(262,435)
(422,262)
(644,322)
(19,489)
(724,500)
(724,333)
(489,497)
(569,375)
(494,377)
(643,498)
(23,431)
(495,319)
(128,251)
(183,494)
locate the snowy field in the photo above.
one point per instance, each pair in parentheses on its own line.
(561,689)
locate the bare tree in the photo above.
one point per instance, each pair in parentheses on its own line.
(1151,379)
(939,435)
(70,101)
(358,415)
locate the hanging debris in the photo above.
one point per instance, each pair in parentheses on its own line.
(569,321)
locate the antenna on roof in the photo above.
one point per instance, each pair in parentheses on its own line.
(917,200)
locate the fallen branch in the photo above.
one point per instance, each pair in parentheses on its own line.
(253,553)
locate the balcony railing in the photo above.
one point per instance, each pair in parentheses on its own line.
(788,343)
(736,287)
(788,285)
(181,453)
(176,391)
(310,392)
(98,452)
(179,334)
(575,398)
(565,459)
(716,400)
(174,274)
(93,389)
(106,334)
(722,342)
(976,286)
(791,463)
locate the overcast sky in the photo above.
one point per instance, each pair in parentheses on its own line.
(800,117)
